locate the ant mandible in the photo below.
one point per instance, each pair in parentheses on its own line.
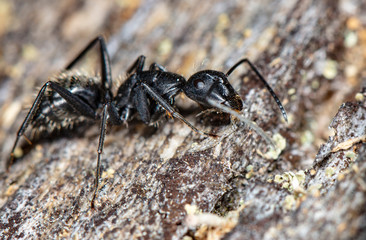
(73,98)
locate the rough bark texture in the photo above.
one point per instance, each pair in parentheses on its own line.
(169,182)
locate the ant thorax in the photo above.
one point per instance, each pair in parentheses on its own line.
(132,99)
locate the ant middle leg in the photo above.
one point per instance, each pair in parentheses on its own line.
(139,63)
(157,66)
(109,114)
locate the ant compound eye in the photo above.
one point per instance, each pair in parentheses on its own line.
(198,83)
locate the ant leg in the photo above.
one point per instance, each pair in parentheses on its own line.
(245,60)
(104,62)
(171,111)
(141,102)
(103,126)
(157,66)
(75,102)
(108,111)
(137,66)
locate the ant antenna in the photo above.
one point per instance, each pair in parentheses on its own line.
(245,60)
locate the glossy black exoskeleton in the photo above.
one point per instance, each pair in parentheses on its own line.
(73,98)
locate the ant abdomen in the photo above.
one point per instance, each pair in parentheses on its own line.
(55,115)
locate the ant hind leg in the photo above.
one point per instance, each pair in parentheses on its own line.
(74,101)
(104,62)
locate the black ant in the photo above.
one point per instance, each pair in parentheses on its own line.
(75,98)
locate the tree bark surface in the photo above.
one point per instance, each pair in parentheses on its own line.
(169,182)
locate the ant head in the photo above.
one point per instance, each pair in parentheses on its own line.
(212,85)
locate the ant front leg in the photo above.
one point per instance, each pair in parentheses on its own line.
(74,101)
(171,111)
